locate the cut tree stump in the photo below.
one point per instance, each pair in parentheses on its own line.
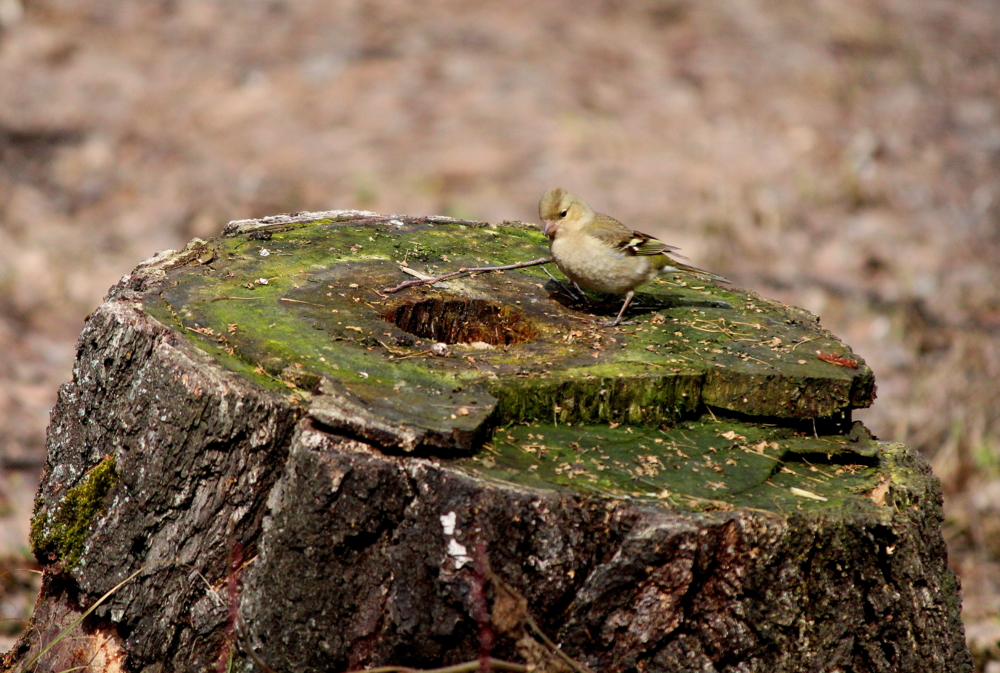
(283,467)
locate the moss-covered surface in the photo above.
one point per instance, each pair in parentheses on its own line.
(701,464)
(308,303)
(303,307)
(61,531)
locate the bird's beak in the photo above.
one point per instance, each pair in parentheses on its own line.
(550,227)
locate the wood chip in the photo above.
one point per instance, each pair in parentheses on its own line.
(803,493)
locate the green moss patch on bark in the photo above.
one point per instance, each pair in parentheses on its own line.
(60,532)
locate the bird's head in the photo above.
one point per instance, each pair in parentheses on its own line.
(558,208)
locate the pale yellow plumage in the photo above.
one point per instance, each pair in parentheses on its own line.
(600,253)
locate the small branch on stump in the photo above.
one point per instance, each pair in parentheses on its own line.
(465,667)
(466,270)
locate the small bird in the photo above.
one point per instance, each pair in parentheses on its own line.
(600,253)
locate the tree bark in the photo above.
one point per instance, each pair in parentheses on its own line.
(287,468)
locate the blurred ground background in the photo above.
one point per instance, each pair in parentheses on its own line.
(842,155)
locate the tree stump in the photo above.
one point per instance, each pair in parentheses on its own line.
(266,462)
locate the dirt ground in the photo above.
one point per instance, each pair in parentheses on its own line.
(842,155)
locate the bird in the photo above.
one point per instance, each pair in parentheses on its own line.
(599,253)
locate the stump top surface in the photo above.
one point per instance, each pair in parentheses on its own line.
(300,305)
(310,297)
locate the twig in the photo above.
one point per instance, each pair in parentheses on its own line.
(721,504)
(299,301)
(766,364)
(495,664)
(414,355)
(573,663)
(394,351)
(240,629)
(804,341)
(416,274)
(243,298)
(500,585)
(466,270)
(721,327)
(89,610)
(567,288)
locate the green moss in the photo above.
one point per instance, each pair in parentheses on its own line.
(600,396)
(616,411)
(61,532)
(697,465)
(308,304)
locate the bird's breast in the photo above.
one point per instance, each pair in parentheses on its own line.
(593,265)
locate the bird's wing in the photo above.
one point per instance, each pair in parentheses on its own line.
(644,244)
(619,237)
(635,243)
(694,271)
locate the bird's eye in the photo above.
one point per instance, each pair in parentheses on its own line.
(563,213)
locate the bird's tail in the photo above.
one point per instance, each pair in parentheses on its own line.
(694,271)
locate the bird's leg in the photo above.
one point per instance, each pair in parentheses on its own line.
(628,300)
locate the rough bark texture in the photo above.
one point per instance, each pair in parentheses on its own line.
(287,515)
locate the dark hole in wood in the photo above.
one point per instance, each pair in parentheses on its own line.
(461,321)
